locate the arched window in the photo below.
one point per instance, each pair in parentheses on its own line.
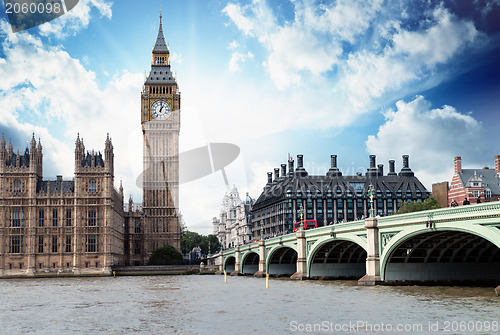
(92,186)
(487,193)
(17,186)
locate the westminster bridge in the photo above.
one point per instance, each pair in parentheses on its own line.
(447,244)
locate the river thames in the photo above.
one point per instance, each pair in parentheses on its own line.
(207,305)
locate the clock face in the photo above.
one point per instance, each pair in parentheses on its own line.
(160,110)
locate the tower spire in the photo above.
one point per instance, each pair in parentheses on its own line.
(160,45)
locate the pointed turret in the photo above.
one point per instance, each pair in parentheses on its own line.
(79,152)
(39,159)
(160,62)
(33,142)
(3,154)
(10,150)
(108,154)
(160,45)
(108,145)
(32,152)
(3,151)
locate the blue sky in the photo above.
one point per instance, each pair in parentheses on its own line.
(304,77)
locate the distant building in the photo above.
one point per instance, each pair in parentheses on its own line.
(475,184)
(330,198)
(234,226)
(440,193)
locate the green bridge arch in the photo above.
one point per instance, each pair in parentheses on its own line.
(325,240)
(382,239)
(488,233)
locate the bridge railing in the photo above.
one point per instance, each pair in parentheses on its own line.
(448,213)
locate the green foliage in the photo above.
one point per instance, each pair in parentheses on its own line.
(416,206)
(190,240)
(166,255)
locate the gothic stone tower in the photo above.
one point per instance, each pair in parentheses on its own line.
(160,120)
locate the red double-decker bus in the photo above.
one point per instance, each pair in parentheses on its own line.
(308,224)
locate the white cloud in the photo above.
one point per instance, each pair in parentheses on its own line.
(438,43)
(46,91)
(76,19)
(412,58)
(176,58)
(368,54)
(233,45)
(310,44)
(434,135)
(235,13)
(236,59)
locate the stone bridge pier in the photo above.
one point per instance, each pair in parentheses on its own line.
(262,260)
(372,276)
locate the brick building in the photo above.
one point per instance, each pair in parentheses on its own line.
(481,184)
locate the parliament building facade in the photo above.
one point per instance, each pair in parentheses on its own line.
(81,226)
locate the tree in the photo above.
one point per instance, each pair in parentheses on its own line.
(166,255)
(417,206)
(190,240)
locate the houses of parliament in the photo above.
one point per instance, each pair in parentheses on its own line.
(81,226)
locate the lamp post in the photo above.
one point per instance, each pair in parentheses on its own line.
(238,238)
(261,230)
(301,213)
(371,192)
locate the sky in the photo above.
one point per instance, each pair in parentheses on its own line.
(275,78)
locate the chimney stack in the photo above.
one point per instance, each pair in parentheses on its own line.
(406,171)
(372,170)
(380,169)
(458,164)
(497,163)
(333,160)
(283,170)
(290,167)
(372,161)
(334,170)
(392,169)
(301,172)
(300,161)
(406,164)
(269,177)
(276,174)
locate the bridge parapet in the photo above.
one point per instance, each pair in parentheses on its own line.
(486,210)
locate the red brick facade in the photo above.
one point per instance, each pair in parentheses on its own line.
(474,184)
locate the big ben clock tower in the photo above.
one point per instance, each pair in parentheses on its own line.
(160,120)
